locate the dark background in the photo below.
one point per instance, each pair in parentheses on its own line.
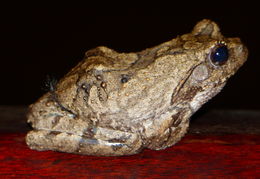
(41,39)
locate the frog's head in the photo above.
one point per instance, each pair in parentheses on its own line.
(218,58)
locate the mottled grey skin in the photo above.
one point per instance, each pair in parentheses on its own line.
(114,104)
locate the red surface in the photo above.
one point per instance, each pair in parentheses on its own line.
(229,156)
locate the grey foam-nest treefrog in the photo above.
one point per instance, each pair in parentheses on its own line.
(114,104)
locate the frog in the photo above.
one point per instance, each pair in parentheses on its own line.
(113,103)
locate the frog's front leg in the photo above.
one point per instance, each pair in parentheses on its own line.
(104,142)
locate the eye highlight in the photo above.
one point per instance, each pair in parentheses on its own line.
(219,54)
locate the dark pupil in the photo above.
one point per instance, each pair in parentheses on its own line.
(220,55)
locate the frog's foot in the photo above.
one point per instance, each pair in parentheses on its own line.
(101,144)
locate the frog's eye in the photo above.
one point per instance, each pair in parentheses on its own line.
(219,54)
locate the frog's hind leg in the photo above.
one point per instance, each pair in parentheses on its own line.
(105,142)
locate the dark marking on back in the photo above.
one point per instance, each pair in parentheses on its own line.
(125,78)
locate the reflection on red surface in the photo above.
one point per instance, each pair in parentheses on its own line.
(195,156)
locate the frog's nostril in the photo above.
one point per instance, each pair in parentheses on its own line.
(240,49)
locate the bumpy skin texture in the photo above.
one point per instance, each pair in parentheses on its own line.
(114,104)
